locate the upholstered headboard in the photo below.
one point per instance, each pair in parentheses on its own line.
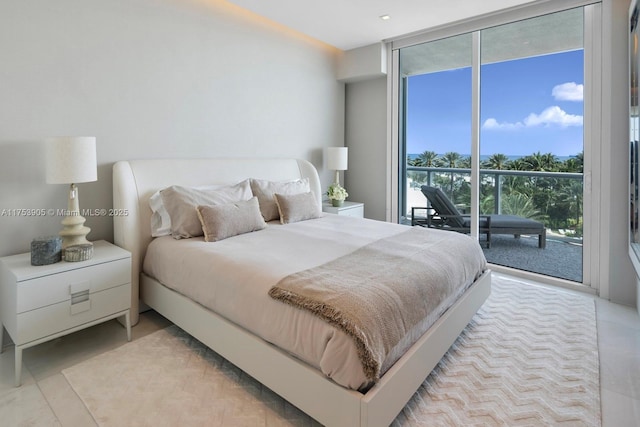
(134,182)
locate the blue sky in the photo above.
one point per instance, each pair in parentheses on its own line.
(527,105)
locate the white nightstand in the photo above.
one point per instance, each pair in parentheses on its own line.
(40,303)
(348,208)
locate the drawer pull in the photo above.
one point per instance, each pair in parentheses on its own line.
(80,302)
(81,296)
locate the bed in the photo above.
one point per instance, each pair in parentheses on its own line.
(297,378)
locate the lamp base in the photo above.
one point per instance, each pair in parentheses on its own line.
(74,231)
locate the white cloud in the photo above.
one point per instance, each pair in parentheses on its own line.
(549,117)
(568,92)
(492,123)
(553,116)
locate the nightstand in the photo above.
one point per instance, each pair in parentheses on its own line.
(348,208)
(40,303)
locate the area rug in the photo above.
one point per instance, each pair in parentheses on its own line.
(528,357)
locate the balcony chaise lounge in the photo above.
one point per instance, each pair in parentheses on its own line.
(444,215)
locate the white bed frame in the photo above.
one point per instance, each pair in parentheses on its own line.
(300,384)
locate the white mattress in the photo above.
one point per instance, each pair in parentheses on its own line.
(232,277)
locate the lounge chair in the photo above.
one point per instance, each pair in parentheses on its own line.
(443,214)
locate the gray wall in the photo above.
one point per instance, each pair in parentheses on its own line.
(366,136)
(151,78)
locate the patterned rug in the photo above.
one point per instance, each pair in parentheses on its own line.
(528,357)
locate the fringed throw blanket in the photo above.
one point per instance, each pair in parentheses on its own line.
(379,292)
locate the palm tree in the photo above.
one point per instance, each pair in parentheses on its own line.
(550,162)
(465,162)
(576,162)
(534,161)
(572,194)
(498,161)
(450,160)
(520,205)
(518,165)
(542,162)
(428,158)
(571,165)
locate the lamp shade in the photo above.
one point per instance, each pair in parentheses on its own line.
(337,158)
(71,159)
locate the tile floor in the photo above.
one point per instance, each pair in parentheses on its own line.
(45,398)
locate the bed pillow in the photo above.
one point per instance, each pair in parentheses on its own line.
(222,221)
(160,219)
(264,191)
(297,207)
(181,203)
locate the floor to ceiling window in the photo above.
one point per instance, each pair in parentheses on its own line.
(530,152)
(437,113)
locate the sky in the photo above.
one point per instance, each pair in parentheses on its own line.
(527,105)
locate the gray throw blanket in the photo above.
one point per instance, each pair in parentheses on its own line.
(379,292)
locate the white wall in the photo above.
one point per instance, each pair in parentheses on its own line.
(151,78)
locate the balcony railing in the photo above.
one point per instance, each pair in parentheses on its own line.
(454,181)
(562,256)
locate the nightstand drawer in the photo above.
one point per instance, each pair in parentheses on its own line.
(52,319)
(56,288)
(357,211)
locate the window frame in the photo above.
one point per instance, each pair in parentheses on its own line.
(592,113)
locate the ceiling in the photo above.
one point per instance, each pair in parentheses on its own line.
(542,35)
(348,24)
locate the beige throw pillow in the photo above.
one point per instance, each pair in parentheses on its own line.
(264,191)
(222,221)
(181,204)
(298,207)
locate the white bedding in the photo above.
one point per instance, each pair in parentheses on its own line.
(232,277)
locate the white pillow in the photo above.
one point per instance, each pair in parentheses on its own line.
(264,190)
(181,203)
(160,219)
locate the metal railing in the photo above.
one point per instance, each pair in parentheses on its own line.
(494,174)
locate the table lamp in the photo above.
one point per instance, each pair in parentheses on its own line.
(337,159)
(71,160)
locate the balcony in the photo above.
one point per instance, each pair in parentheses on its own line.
(553,198)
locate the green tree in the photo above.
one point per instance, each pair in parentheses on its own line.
(450,160)
(573,164)
(428,159)
(519,165)
(497,161)
(542,162)
(555,200)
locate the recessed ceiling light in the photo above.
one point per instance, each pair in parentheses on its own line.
(385,17)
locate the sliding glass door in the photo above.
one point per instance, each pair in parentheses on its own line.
(437,113)
(530,115)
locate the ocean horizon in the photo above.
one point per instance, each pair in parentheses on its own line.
(486,156)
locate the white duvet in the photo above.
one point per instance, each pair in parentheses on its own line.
(232,277)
